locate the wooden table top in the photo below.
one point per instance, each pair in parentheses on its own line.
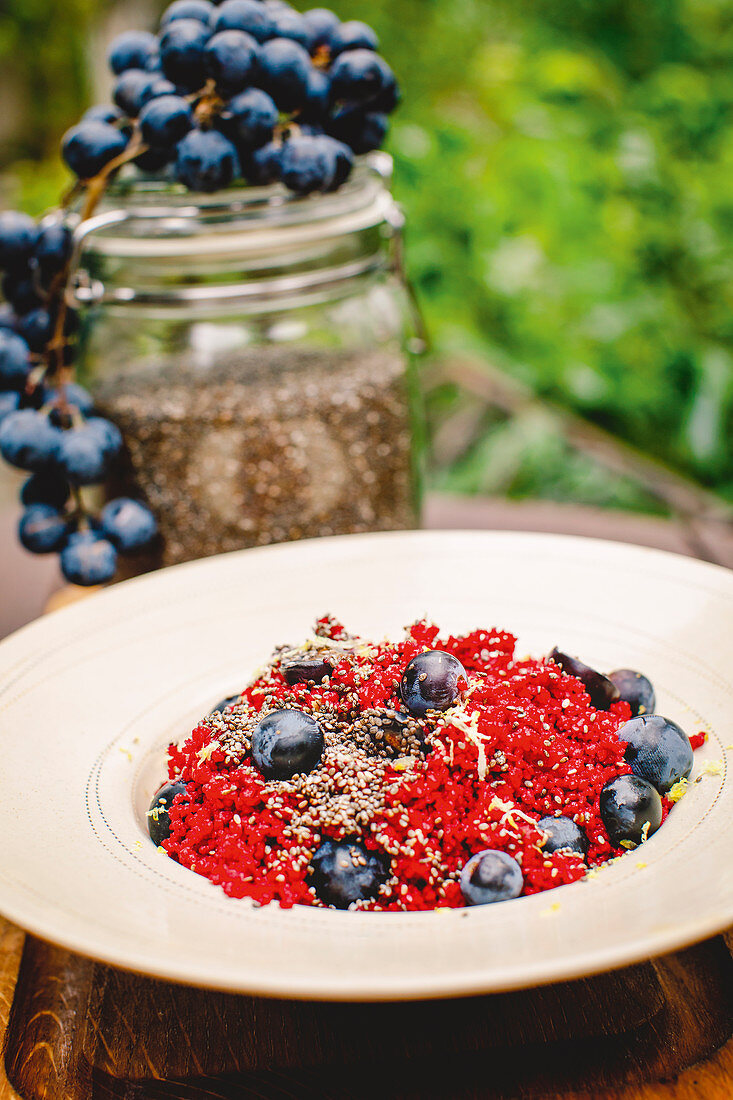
(661,1031)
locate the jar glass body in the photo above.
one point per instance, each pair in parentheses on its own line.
(256,351)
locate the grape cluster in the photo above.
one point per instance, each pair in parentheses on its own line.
(250,89)
(47,422)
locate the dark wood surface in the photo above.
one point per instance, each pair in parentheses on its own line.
(79,1030)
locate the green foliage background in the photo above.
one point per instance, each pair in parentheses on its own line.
(566,168)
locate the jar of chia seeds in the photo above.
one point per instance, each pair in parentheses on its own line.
(255,349)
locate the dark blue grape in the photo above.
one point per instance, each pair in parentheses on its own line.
(658,750)
(302,670)
(88,147)
(627,805)
(635,690)
(600,689)
(231,59)
(164,121)
(316,104)
(250,16)
(284,69)
(182,48)
(153,161)
(206,161)
(43,529)
(308,164)
(29,441)
(432,681)
(15,365)
(388,97)
(249,119)
(132,50)
(344,163)
(36,328)
(352,35)
(8,317)
(46,488)
(83,457)
(107,433)
(359,76)
(88,559)
(345,871)
(286,743)
(264,166)
(491,876)
(224,703)
(9,403)
(290,24)
(128,524)
(158,818)
(156,87)
(18,236)
(71,393)
(361,130)
(130,90)
(321,23)
(103,112)
(563,833)
(53,248)
(202,10)
(20,290)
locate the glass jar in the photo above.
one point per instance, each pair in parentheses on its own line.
(255,350)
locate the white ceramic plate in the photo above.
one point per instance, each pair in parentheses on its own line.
(90,696)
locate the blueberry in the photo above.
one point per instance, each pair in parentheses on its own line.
(290,24)
(103,112)
(284,69)
(189,9)
(89,146)
(658,750)
(46,488)
(600,689)
(14,362)
(308,164)
(8,317)
(128,524)
(206,161)
(132,50)
(224,703)
(21,291)
(29,441)
(43,529)
(301,670)
(88,559)
(18,236)
(182,48)
(352,35)
(9,403)
(359,76)
(627,804)
(36,328)
(361,130)
(286,743)
(635,690)
(231,59)
(344,871)
(82,456)
(53,248)
(491,876)
(164,121)
(432,681)
(563,833)
(250,16)
(159,822)
(264,166)
(321,23)
(250,119)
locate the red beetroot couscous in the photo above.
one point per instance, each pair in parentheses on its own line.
(521,742)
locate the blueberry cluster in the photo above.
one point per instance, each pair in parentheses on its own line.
(47,426)
(249,89)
